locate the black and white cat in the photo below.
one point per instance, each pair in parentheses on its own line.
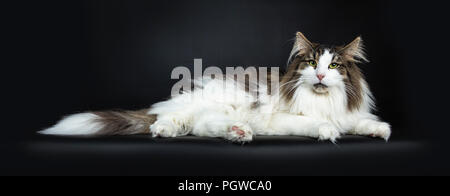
(322,95)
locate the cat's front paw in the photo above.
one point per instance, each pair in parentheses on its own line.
(380,129)
(373,128)
(328,132)
(162,129)
(239,132)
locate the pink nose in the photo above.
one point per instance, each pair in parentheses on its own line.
(320,76)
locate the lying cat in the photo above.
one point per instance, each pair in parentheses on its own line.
(322,95)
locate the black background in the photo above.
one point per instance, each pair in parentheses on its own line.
(74,56)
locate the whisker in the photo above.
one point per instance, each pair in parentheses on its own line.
(289,82)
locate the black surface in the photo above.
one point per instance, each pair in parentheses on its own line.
(193,156)
(71,56)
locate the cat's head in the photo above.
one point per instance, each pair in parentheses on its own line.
(321,68)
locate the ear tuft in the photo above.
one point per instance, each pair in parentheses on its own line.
(301,45)
(302,42)
(355,51)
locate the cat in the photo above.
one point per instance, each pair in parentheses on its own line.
(322,95)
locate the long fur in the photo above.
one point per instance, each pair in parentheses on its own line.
(340,103)
(104,123)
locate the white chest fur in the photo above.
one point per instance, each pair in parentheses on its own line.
(326,107)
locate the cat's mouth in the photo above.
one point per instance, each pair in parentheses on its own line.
(320,85)
(320,88)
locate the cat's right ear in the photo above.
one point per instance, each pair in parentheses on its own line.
(302,44)
(301,47)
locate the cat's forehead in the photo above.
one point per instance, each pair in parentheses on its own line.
(324,50)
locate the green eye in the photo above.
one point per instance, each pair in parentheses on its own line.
(312,63)
(333,65)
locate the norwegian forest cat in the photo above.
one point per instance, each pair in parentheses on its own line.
(322,95)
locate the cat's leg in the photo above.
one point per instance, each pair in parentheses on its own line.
(371,127)
(288,124)
(218,124)
(171,125)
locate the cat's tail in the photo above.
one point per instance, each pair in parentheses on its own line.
(104,123)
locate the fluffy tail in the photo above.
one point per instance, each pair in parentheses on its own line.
(104,123)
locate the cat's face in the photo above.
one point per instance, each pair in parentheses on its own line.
(321,68)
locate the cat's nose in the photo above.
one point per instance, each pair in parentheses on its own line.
(320,76)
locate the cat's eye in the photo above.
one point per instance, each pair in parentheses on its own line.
(312,63)
(333,66)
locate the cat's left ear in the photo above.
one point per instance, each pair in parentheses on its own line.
(355,51)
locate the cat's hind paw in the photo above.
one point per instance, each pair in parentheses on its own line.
(161,129)
(240,133)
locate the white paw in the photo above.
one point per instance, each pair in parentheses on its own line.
(328,132)
(239,132)
(380,129)
(163,129)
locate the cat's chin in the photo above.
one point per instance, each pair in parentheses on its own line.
(320,88)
